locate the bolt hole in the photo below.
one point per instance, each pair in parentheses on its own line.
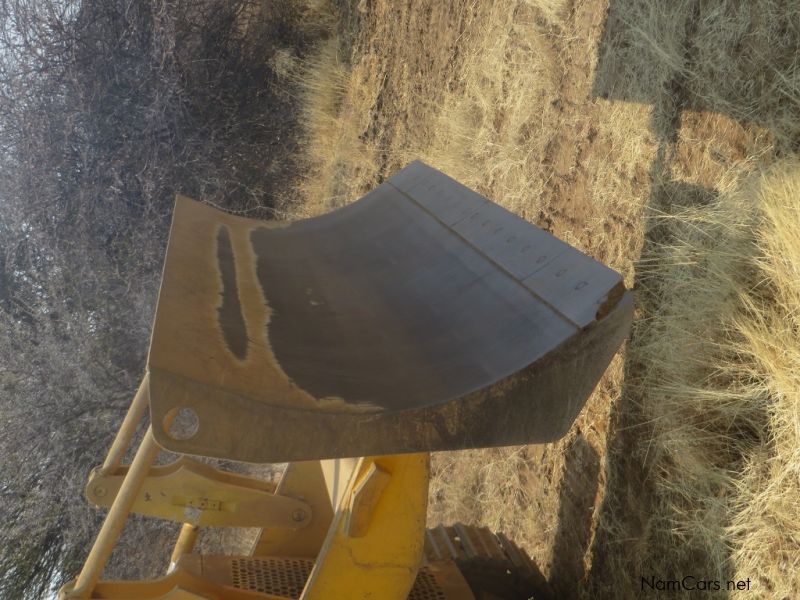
(185,423)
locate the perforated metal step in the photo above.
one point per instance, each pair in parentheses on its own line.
(286,577)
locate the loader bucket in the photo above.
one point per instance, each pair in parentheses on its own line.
(421,317)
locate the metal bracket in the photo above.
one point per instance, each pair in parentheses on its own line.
(365,497)
(190,492)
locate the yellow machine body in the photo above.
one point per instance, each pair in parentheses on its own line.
(422,317)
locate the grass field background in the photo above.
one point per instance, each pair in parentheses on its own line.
(659,138)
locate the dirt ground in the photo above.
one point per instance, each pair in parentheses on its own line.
(582,118)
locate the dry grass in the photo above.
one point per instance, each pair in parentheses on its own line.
(500,124)
(652,129)
(482,486)
(765,531)
(720,351)
(328,115)
(688,477)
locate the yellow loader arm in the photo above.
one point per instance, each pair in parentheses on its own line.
(422,317)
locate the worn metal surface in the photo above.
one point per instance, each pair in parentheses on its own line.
(421,317)
(376,554)
(306,480)
(190,492)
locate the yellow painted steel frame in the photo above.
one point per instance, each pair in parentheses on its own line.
(366,531)
(191,492)
(375,543)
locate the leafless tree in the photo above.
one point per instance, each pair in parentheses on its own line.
(107,109)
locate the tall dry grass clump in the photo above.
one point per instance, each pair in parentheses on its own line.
(765,531)
(720,351)
(334,157)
